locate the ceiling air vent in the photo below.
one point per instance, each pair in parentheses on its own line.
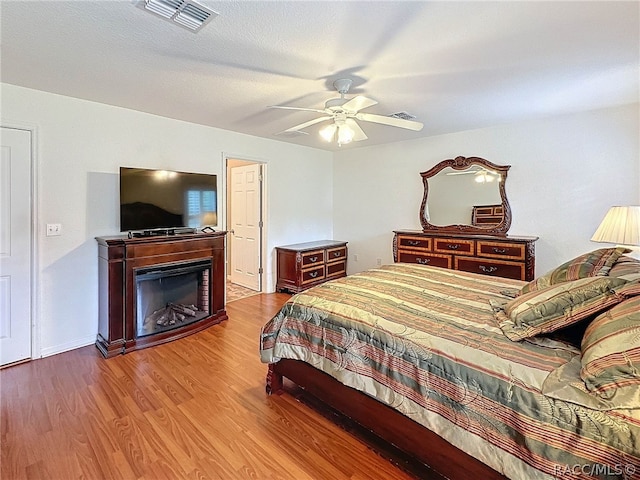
(403,116)
(186,13)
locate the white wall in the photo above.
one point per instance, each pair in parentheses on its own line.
(566,172)
(80,147)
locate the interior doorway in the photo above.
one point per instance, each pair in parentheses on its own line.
(245,225)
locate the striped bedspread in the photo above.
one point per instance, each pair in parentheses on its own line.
(424,341)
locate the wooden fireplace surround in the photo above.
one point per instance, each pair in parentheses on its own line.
(118,259)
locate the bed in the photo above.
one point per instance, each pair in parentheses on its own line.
(443,365)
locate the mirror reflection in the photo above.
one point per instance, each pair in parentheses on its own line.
(453,194)
(465,195)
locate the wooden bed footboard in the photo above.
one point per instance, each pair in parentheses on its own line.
(389,425)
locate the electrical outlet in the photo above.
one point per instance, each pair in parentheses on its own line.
(355,257)
(54,229)
(379,262)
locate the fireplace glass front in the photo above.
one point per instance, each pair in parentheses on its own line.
(171,296)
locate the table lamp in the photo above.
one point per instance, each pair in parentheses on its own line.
(621,226)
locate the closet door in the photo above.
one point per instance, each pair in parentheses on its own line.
(15,245)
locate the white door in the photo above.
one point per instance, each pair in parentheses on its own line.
(15,245)
(245,221)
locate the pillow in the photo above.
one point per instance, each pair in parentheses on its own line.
(626,267)
(558,306)
(591,264)
(629,289)
(611,352)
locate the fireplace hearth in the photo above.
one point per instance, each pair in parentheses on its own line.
(157,289)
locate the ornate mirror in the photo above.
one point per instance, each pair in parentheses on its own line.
(465,195)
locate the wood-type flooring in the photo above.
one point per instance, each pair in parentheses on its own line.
(194,408)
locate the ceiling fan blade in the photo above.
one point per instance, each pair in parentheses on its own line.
(308,124)
(297,108)
(392,121)
(358,133)
(358,103)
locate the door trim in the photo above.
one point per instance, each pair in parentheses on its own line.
(36,344)
(263,198)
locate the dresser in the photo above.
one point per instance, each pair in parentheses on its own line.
(510,257)
(304,265)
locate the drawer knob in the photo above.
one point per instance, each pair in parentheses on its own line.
(313,274)
(337,254)
(413,242)
(423,261)
(490,269)
(313,259)
(453,246)
(499,250)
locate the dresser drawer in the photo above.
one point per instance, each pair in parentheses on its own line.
(312,258)
(508,251)
(431,259)
(313,274)
(421,243)
(509,257)
(336,254)
(495,268)
(336,269)
(489,210)
(454,245)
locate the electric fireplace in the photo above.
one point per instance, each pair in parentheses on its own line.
(157,289)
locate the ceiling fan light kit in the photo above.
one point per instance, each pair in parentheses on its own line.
(338,130)
(345,135)
(344,113)
(328,132)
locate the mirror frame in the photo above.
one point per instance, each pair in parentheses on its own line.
(462,163)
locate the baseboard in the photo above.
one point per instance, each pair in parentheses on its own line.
(65,347)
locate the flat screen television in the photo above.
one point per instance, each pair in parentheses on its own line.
(164,199)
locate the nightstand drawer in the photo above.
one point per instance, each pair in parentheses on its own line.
(495,268)
(313,274)
(431,259)
(508,251)
(454,245)
(312,258)
(335,254)
(338,268)
(414,242)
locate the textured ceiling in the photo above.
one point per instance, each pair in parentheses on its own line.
(454,65)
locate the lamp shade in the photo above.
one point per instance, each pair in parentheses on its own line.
(621,225)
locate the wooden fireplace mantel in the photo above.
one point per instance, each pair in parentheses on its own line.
(118,259)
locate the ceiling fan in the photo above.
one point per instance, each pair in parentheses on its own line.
(344,112)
